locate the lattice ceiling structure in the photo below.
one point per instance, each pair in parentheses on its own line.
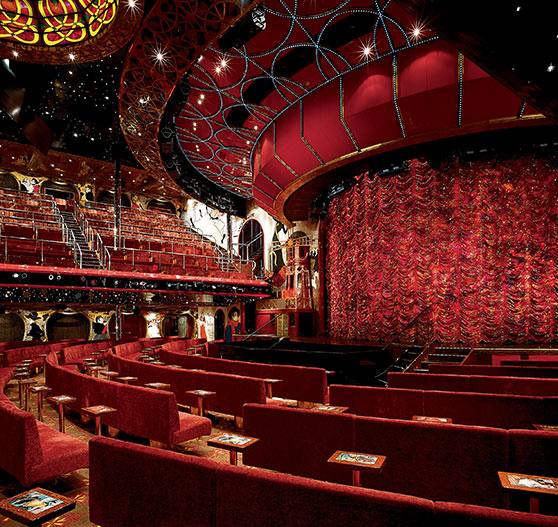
(257,100)
(54,22)
(66,31)
(237,93)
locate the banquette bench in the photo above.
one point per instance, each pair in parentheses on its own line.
(31,451)
(135,485)
(483,409)
(475,383)
(531,370)
(300,383)
(16,355)
(186,345)
(143,412)
(232,391)
(441,462)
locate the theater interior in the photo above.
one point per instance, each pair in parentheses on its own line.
(278,263)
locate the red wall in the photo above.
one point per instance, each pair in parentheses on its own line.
(476,241)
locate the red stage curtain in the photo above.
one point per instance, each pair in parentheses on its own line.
(476,241)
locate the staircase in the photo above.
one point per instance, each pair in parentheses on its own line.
(445,355)
(89,260)
(402,363)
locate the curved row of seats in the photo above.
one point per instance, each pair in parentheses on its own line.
(434,461)
(301,383)
(143,412)
(35,351)
(231,391)
(134,485)
(475,383)
(187,346)
(482,409)
(508,371)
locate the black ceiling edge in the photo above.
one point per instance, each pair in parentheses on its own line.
(182,171)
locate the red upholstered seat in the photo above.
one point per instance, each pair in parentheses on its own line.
(502,411)
(123,475)
(161,423)
(190,427)
(121,492)
(33,452)
(435,461)
(378,402)
(248,497)
(298,441)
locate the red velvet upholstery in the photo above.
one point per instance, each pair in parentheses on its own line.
(298,441)
(424,381)
(474,383)
(533,452)
(246,498)
(510,371)
(299,382)
(180,345)
(435,461)
(253,369)
(495,410)
(141,411)
(501,411)
(182,359)
(459,515)
(33,452)
(378,402)
(16,355)
(514,385)
(232,391)
(136,485)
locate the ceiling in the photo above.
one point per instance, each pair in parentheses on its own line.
(240,81)
(517,42)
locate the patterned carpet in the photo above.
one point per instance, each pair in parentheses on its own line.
(76,484)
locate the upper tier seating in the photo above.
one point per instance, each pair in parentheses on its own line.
(31,232)
(156,242)
(135,485)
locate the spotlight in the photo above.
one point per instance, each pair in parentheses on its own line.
(15,275)
(58,277)
(51,277)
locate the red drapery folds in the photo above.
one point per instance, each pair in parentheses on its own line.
(476,241)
